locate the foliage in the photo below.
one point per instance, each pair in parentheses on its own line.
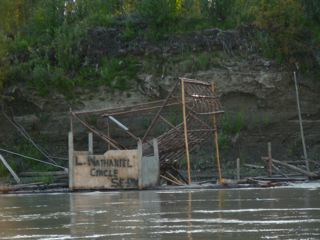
(20,164)
(158,15)
(41,42)
(284,22)
(3,62)
(233,124)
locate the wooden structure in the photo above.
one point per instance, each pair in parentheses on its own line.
(184,120)
(115,169)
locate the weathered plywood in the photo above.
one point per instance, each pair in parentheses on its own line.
(116,169)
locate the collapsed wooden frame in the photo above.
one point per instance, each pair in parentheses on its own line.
(200,107)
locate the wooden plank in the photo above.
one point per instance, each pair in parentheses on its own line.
(14,175)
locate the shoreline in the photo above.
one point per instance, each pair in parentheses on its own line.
(63,188)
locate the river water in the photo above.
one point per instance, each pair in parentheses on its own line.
(278,213)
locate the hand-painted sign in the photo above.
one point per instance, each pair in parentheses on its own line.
(115,169)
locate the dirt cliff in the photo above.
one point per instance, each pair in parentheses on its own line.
(257,94)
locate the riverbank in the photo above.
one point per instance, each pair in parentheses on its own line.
(38,188)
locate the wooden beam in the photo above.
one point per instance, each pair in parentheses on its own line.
(216,141)
(171,180)
(174,178)
(300,123)
(112,142)
(147,109)
(154,120)
(112,110)
(279,171)
(167,122)
(185,130)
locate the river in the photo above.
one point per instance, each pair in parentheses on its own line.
(275,213)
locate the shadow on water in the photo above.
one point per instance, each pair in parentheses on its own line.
(281,213)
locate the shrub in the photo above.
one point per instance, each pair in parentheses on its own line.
(160,16)
(117,73)
(4,64)
(283,22)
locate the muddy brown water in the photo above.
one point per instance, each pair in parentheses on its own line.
(278,213)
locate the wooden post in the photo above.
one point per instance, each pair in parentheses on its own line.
(156,155)
(90,143)
(185,129)
(108,132)
(71,120)
(14,175)
(70,148)
(269,163)
(238,169)
(300,123)
(216,141)
(140,155)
